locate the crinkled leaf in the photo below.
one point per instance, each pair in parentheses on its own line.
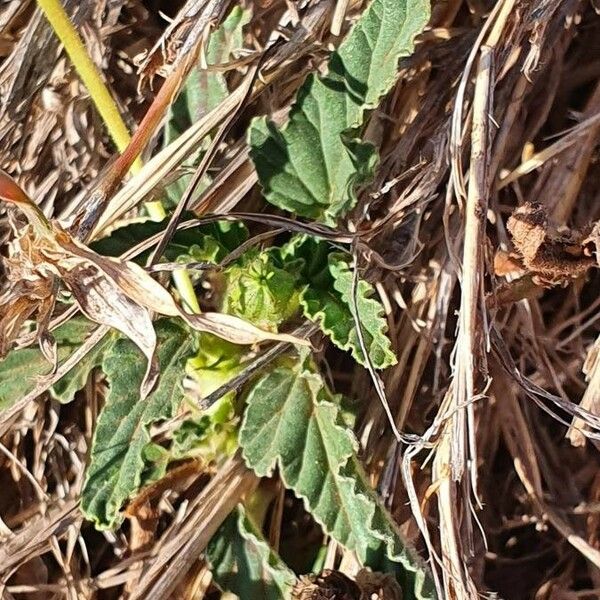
(312,165)
(259,291)
(328,301)
(122,295)
(102,300)
(117,461)
(20,370)
(292,422)
(205,440)
(243,563)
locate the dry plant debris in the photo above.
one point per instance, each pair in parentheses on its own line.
(551,254)
(389,213)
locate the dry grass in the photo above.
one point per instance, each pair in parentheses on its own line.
(498,107)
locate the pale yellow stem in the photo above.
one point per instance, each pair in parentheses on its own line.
(106,106)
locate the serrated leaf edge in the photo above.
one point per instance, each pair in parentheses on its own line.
(320,318)
(412,561)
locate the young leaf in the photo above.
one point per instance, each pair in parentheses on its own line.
(292,422)
(156,462)
(243,563)
(311,166)
(117,459)
(259,291)
(20,370)
(205,440)
(329,302)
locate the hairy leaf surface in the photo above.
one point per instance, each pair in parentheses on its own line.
(259,291)
(329,301)
(117,462)
(20,370)
(292,422)
(312,165)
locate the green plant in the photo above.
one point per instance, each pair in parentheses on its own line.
(285,417)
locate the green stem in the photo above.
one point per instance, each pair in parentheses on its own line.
(106,106)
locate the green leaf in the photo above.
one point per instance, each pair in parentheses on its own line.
(21,369)
(208,250)
(156,461)
(313,164)
(292,422)
(307,257)
(328,301)
(243,563)
(229,234)
(260,291)
(212,437)
(117,456)
(204,89)
(65,388)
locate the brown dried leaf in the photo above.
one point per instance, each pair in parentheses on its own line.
(506,263)
(236,330)
(528,226)
(102,301)
(15,313)
(109,291)
(591,244)
(553,255)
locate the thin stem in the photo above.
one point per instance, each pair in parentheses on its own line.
(87,71)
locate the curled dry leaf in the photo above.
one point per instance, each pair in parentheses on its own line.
(553,255)
(26,293)
(108,291)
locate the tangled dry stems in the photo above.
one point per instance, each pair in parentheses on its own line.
(498,107)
